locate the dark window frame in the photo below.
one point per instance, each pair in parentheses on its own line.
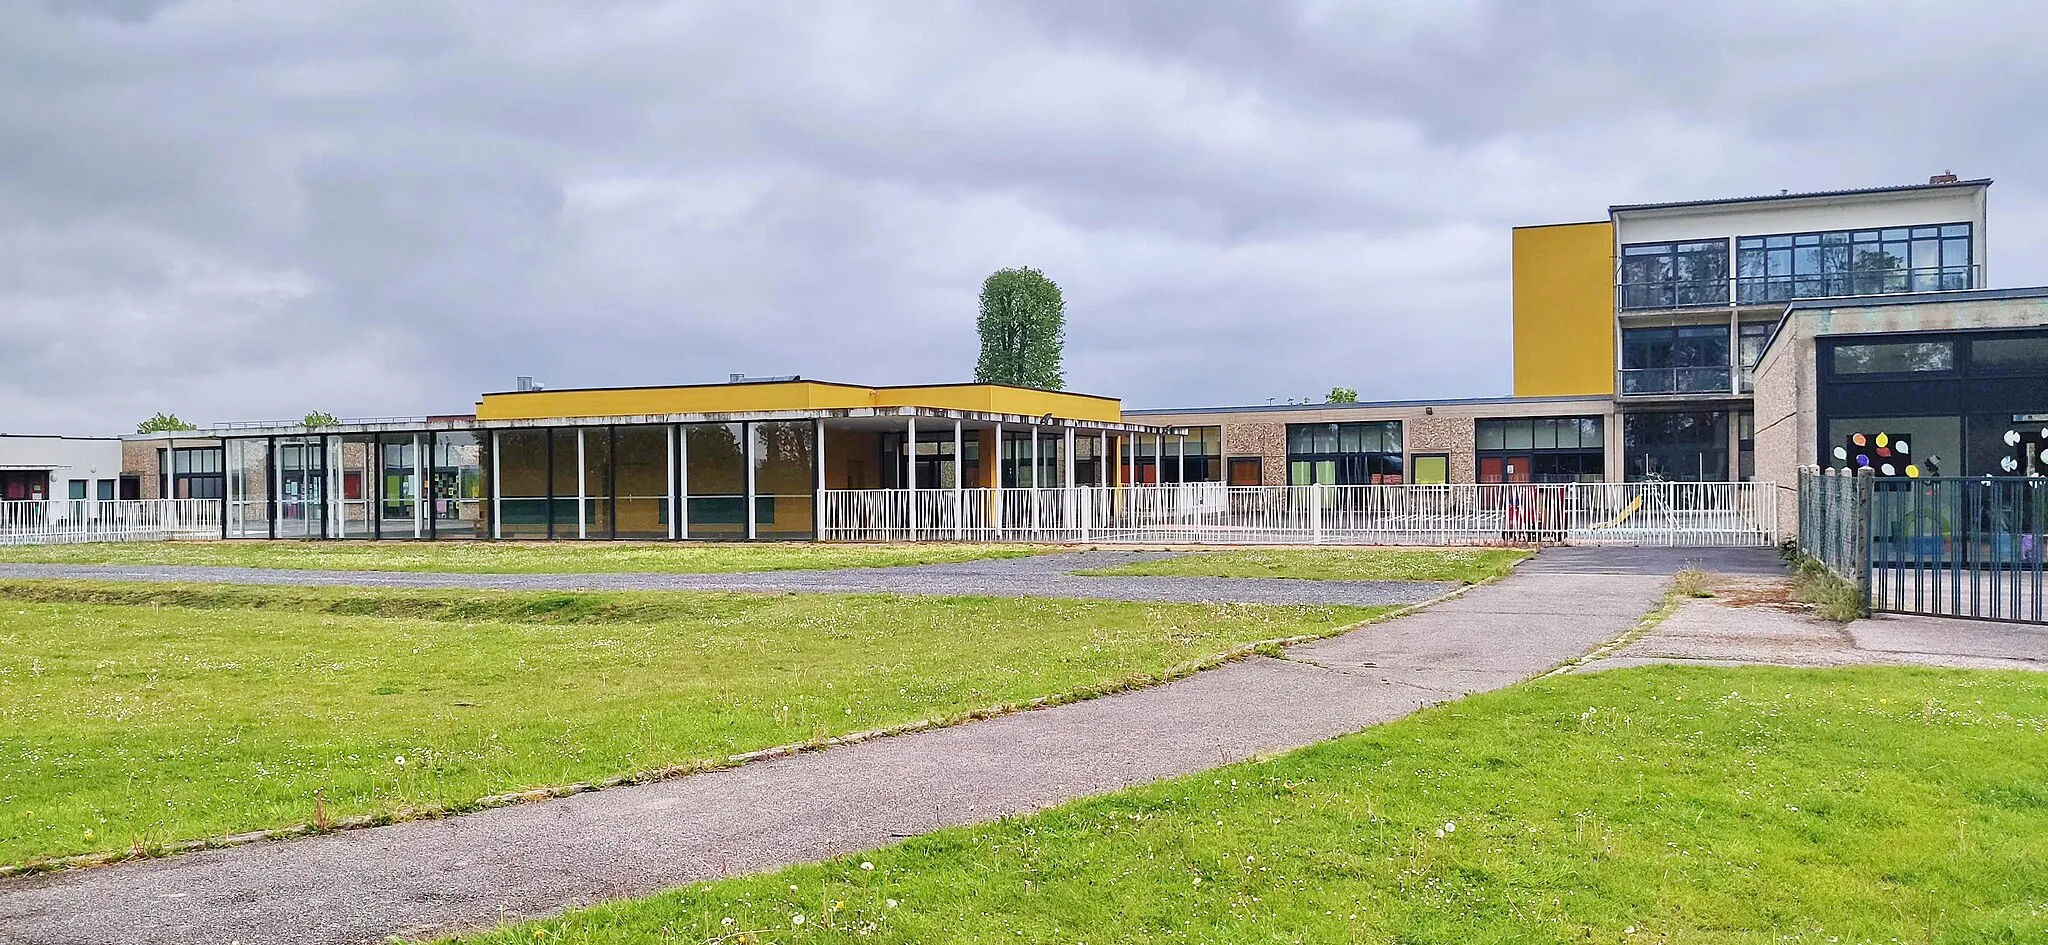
(1763,263)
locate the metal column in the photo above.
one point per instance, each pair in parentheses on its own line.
(959,475)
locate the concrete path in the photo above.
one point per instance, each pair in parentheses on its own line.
(435,876)
(1752,621)
(1035,576)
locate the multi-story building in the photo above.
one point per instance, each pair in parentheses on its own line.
(1666,307)
(1635,341)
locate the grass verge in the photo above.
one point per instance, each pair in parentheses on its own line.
(514,557)
(1461,565)
(1729,806)
(1832,597)
(133,717)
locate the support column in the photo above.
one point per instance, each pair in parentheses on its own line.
(959,481)
(682,482)
(497,489)
(747,459)
(910,469)
(422,488)
(1102,457)
(1037,470)
(582,488)
(1068,494)
(818,479)
(996,480)
(669,484)
(1180,459)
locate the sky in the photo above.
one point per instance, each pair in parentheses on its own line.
(252,209)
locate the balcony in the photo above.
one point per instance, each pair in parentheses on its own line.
(1678,380)
(1771,289)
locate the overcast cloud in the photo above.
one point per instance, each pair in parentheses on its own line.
(248,209)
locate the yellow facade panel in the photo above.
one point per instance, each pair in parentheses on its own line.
(791,395)
(1564,309)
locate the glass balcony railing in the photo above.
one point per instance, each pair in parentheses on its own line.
(1683,380)
(1768,289)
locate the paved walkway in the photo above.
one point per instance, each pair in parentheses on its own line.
(477,869)
(1035,576)
(1752,621)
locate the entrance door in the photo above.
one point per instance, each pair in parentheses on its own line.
(21,485)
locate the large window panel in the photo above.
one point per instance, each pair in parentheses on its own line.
(1541,449)
(1318,453)
(1895,358)
(1788,266)
(642,483)
(459,484)
(1674,275)
(784,473)
(1683,359)
(522,462)
(1678,447)
(716,479)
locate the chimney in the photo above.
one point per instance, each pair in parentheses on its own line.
(525,384)
(1945,177)
(735,378)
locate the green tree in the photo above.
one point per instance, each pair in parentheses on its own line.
(1023,327)
(1342,395)
(164,423)
(320,418)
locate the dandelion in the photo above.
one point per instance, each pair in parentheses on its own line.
(891,903)
(866,865)
(399,761)
(727,922)
(1450,827)
(797,919)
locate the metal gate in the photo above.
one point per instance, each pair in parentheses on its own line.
(1957,547)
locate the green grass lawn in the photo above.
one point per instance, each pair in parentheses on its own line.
(1666,805)
(146,714)
(1464,565)
(513,557)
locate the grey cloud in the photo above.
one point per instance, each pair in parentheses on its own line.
(237,209)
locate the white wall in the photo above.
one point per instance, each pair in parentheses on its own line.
(71,457)
(1956,204)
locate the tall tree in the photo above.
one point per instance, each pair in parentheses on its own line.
(1023,327)
(1342,395)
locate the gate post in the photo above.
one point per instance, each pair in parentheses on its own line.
(1860,558)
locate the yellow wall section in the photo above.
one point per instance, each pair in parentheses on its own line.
(1564,309)
(791,395)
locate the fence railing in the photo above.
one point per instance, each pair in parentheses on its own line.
(1960,547)
(61,521)
(1724,514)
(1946,547)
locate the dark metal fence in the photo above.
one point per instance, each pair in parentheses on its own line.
(1959,547)
(1949,547)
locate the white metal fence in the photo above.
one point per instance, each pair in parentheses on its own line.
(1688,514)
(54,522)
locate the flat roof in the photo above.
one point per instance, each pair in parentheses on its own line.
(1910,298)
(1803,195)
(1376,405)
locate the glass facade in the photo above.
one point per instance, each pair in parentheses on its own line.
(1785,266)
(1344,454)
(1680,359)
(1541,449)
(715,476)
(192,473)
(1853,262)
(1931,404)
(1674,275)
(1160,458)
(1689,446)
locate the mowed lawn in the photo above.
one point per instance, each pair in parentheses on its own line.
(1462,565)
(138,715)
(1667,805)
(476,557)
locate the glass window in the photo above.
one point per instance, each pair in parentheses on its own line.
(78,487)
(1546,435)
(1911,446)
(1666,275)
(1432,469)
(2010,355)
(716,480)
(1521,435)
(1492,434)
(564,470)
(641,483)
(458,484)
(1684,447)
(523,483)
(1345,454)
(597,484)
(1895,358)
(784,471)
(1864,262)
